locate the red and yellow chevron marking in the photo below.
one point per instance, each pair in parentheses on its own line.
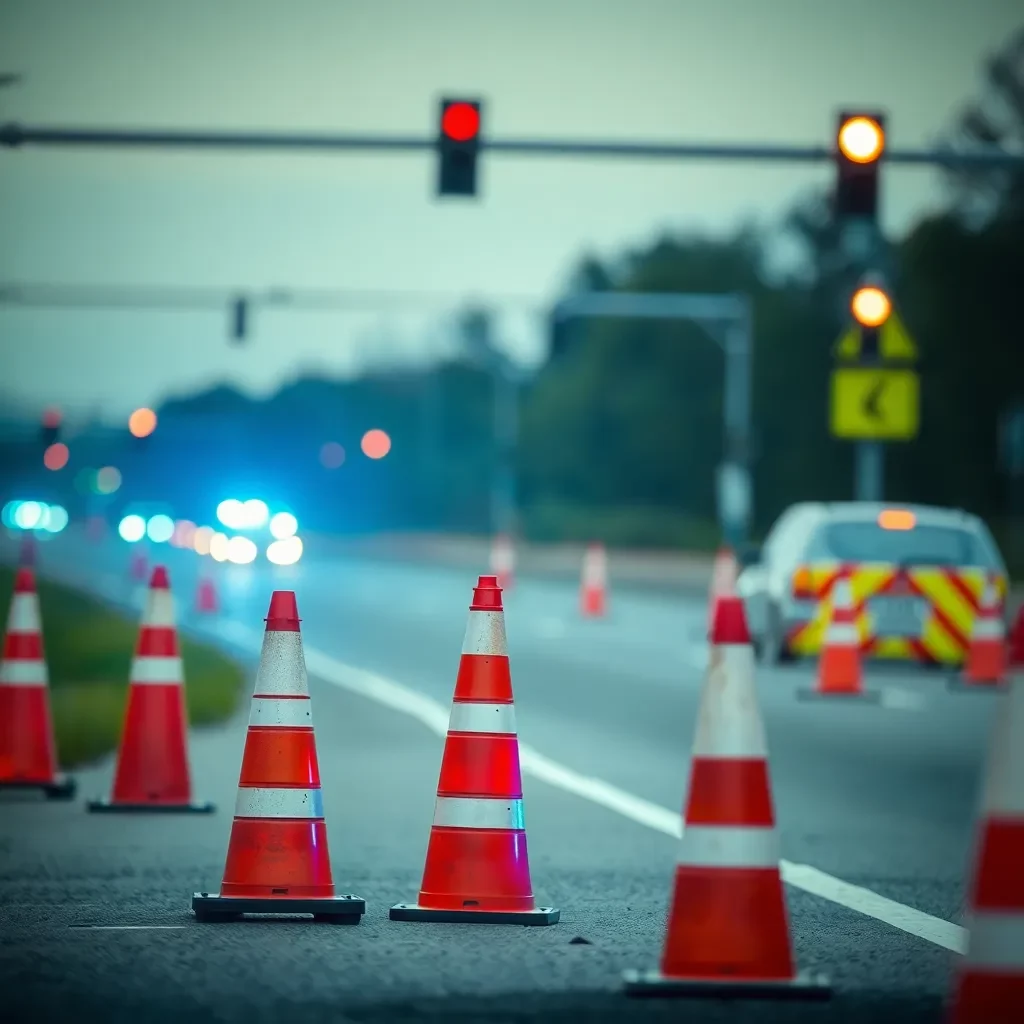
(953,596)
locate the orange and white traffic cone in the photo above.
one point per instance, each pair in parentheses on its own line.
(139,564)
(594,582)
(28,551)
(277,860)
(986,654)
(503,561)
(724,573)
(1016,652)
(152,772)
(28,757)
(477,867)
(206,596)
(989,984)
(728,927)
(839,667)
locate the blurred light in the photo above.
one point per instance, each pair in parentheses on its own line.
(285,552)
(241,550)
(160,528)
(283,525)
(56,456)
(219,547)
(870,306)
(255,514)
(108,480)
(861,140)
(52,417)
(231,513)
(332,455)
(56,519)
(142,422)
(375,444)
(8,515)
(132,528)
(184,531)
(896,519)
(201,540)
(29,514)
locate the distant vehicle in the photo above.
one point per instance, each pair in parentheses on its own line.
(917,574)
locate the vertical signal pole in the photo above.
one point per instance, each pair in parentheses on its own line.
(860,143)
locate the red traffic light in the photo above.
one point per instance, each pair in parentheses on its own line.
(52,417)
(460,122)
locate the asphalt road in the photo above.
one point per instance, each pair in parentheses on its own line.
(875,805)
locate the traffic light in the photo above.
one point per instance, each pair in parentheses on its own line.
(870,306)
(49,431)
(239,320)
(860,143)
(458,143)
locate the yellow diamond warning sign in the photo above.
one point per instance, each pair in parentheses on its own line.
(894,342)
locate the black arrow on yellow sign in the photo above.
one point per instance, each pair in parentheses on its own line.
(871,400)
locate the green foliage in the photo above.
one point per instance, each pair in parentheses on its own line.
(88,652)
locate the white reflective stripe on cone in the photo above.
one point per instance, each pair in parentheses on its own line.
(16,672)
(282,668)
(489,718)
(995,941)
(478,812)
(729,723)
(158,671)
(732,846)
(279,803)
(485,634)
(1002,796)
(282,712)
(987,629)
(842,634)
(842,595)
(23,616)
(159,608)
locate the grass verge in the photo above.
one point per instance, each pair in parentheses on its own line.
(89,651)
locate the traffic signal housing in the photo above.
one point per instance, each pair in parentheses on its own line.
(458,144)
(49,430)
(239,320)
(860,144)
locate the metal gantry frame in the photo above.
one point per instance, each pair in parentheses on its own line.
(727,319)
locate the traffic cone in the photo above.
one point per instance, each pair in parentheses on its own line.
(28,758)
(28,551)
(728,929)
(839,667)
(989,980)
(503,561)
(1016,652)
(152,772)
(724,573)
(477,867)
(139,564)
(594,582)
(206,596)
(986,653)
(277,860)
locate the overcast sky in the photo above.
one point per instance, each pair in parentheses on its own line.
(653,69)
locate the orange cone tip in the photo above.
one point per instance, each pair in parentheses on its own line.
(159,580)
(283,615)
(25,582)
(730,623)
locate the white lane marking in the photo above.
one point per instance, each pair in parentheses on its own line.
(433,715)
(902,700)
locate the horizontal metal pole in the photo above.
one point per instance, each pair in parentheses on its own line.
(13,135)
(56,296)
(653,306)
